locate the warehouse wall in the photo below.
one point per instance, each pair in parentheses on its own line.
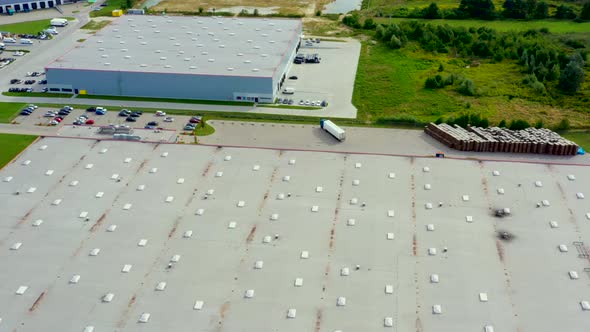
(159,85)
(287,58)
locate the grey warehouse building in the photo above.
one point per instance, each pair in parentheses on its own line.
(26,5)
(209,58)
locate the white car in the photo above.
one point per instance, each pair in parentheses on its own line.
(26,41)
(9,40)
(168,119)
(160,113)
(18,53)
(53,123)
(33,106)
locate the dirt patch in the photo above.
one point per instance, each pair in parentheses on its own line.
(500,249)
(284,6)
(207,169)
(99,222)
(174,227)
(318,320)
(224,309)
(37,302)
(251,234)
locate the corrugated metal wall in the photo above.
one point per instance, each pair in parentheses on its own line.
(159,85)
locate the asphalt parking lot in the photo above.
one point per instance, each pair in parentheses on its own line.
(110,118)
(316,81)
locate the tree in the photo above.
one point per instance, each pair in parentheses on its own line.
(441,67)
(514,9)
(432,11)
(369,24)
(518,125)
(565,12)
(571,77)
(395,43)
(585,12)
(542,10)
(502,124)
(467,88)
(478,8)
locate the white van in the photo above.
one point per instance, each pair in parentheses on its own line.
(59,22)
(9,40)
(26,41)
(289,91)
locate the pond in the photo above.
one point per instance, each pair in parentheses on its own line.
(342,6)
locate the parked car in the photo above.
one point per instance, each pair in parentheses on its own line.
(43,82)
(78,122)
(68,108)
(30,82)
(188,127)
(26,41)
(49,114)
(149,127)
(100,111)
(18,53)
(53,123)
(26,112)
(160,113)
(89,122)
(168,119)
(33,106)
(91,109)
(124,112)
(195,119)
(130,119)
(15,81)
(9,40)
(135,115)
(152,123)
(293,77)
(83,116)
(63,112)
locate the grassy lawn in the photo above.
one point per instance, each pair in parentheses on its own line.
(13,145)
(37,94)
(30,27)
(166,100)
(95,25)
(204,131)
(582,138)
(554,26)
(389,89)
(8,111)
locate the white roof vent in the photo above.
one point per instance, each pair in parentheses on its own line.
(189,32)
(127,57)
(272,41)
(240,54)
(172,38)
(187,59)
(180,52)
(124,50)
(162,58)
(194,39)
(232,33)
(204,53)
(104,56)
(115,30)
(264,55)
(157,31)
(167,66)
(107,63)
(216,39)
(255,69)
(257,47)
(221,46)
(211,60)
(143,43)
(143,65)
(200,45)
(192,67)
(99,41)
(101,49)
(249,40)
(230,69)
(158,51)
(257,29)
(264,35)
(177,44)
(122,42)
(247,61)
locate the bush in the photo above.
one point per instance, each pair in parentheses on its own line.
(395,43)
(539,124)
(318,13)
(434,82)
(441,68)
(467,88)
(564,124)
(484,123)
(369,24)
(439,120)
(518,125)
(432,12)
(571,78)
(565,12)
(502,124)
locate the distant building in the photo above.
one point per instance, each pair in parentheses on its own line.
(7,6)
(205,58)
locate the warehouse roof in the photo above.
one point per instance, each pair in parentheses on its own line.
(110,235)
(186,45)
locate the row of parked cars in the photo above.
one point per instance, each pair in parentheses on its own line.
(192,123)
(58,116)
(28,110)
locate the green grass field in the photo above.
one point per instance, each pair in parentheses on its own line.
(12,145)
(389,88)
(95,25)
(582,138)
(554,26)
(9,110)
(37,94)
(204,131)
(30,27)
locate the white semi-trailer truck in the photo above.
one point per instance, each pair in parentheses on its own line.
(333,129)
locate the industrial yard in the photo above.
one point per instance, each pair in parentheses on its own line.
(123,236)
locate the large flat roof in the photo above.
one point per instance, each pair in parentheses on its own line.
(244,219)
(186,45)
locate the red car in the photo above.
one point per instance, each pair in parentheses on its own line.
(58,119)
(89,122)
(194,120)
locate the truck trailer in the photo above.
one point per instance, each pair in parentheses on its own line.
(333,129)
